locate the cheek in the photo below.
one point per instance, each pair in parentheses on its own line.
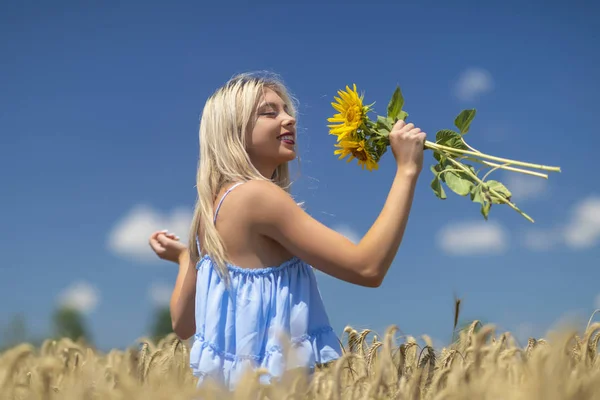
(262,133)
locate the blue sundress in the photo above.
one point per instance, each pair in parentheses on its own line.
(237,328)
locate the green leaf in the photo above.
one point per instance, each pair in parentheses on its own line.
(458,181)
(384,133)
(485,209)
(403,115)
(383,123)
(436,185)
(500,189)
(395,105)
(436,169)
(474,172)
(464,119)
(450,138)
(477,195)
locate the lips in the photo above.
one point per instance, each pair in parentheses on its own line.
(288,138)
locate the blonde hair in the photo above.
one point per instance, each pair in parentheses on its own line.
(227,116)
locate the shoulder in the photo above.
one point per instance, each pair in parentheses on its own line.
(265,198)
(264,191)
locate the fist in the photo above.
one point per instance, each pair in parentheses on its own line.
(408,143)
(167,246)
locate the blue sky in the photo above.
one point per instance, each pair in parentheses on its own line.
(99,117)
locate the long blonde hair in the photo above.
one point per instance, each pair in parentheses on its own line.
(227,116)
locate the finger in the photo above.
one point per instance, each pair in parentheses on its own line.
(163,240)
(166,241)
(414,131)
(399,124)
(156,246)
(173,236)
(153,241)
(156,233)
(408,127)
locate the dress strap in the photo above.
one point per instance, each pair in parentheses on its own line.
(198,245)
(223,198)
(217,211)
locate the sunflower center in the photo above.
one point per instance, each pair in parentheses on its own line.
(360,153)
(351,114)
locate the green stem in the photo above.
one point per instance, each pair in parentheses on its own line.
(472,175)
(435,146)
(470,148)
(487,163)
(490,171)
(448,170)
(506,167)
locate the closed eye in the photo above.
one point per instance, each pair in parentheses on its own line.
(273,107)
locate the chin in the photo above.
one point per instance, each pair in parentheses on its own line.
(288,156)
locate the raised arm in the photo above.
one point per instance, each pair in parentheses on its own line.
(277,216)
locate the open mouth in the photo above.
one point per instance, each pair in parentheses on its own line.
(289,139)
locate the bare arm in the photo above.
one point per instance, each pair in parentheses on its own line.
(167,246)
(182,303)
(277,216)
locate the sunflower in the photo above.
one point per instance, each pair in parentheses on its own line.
(356,149)
(351,113)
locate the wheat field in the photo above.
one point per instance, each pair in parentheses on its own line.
(480,364)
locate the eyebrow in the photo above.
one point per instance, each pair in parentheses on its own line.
(273,105)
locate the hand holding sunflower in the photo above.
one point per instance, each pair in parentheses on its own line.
(406,142)
(359,137)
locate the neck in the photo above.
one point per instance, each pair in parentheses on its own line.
(265,169)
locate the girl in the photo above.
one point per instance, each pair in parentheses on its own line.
(245,278)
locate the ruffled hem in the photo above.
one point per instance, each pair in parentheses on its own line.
(317,347)
(237,270)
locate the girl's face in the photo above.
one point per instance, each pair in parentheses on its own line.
(273,139)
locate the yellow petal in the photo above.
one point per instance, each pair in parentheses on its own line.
(339,108)
(347,98)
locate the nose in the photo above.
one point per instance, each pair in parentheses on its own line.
(288,120)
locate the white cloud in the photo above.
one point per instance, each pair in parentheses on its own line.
(525,187)
(81,295)
(160,293)
(472,83)
(470,238)
(129,237)
(583,230)
(348,232)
